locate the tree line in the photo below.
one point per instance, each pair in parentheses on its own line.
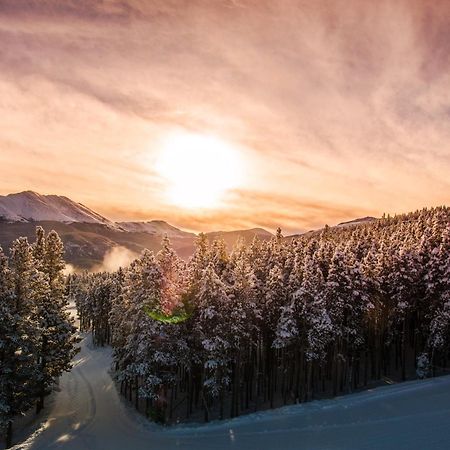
(275,322)
(37,335)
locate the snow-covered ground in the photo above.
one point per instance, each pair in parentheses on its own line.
(88,413)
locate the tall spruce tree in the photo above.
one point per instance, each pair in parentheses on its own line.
(19,370)
(57,332)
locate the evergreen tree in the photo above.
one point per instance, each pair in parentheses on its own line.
(277,321)
(56,331)
(16,360)
(19,371)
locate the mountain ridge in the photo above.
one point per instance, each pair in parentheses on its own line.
(155,227)
(89,236)
(30,206)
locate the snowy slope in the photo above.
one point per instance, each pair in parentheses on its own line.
(359,221)
(30,206)
(350,223)
(89,414)
(156,227)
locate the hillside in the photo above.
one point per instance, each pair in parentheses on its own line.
(351,223)
(86,244)
(155,227)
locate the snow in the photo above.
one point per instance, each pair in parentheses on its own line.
(31,206)
(88,413)
(156,227)
(359,221)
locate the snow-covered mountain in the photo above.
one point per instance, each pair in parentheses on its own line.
(155,227)
(88,236)
(30,206)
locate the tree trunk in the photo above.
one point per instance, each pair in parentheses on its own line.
(40,403)
(9,432)
(136,400)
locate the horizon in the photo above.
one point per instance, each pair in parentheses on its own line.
(151,110)
(219,230)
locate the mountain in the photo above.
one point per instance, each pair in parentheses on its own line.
(155,227)
(354,222)
(360,221)
(88,237)
(30,206)
(86,244)
(230,237)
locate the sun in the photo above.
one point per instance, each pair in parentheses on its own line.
(198,169)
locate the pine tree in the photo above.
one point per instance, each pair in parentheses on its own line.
(278,321)
(19,371)
(57,333)
(172,281)
(11,341)
(214,335)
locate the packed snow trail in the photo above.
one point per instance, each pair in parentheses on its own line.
(88,413)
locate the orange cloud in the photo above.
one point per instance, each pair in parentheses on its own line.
(342,107)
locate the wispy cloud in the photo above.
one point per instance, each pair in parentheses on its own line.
(342,107)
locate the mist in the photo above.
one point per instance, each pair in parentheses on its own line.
(115,258)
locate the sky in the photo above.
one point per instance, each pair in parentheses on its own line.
(336,109)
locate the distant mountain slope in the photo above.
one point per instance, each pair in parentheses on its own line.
(359,221)
(86,244)
(88,236)
(155,227)
(30,206)
(354,222)
(230,237)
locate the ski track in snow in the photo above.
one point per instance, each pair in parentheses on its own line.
(89,414)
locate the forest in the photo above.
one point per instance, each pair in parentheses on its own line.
(275,322)
(37,334)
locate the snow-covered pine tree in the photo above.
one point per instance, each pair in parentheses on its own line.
(39,248)
(244,317)
(438,295)
(199,261)
(20,375)
(56,346)
(280,321)
(219,257)
(213,331)
(310,299)
(16,359)
(172,278)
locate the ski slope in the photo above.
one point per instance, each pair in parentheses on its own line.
(88,413)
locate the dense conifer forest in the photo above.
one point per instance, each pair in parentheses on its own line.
(37,335)
(277,322)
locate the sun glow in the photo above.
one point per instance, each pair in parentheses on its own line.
(199,169)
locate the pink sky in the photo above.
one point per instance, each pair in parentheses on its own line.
(340,108)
